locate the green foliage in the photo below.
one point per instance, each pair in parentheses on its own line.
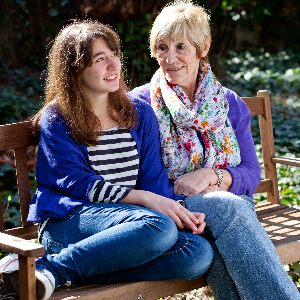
(9,194)
(134,35)
(246,73)
(20,94)
(30,25)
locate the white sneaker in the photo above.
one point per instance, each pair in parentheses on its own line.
(9,275)
(9,263)
(45,284)
(9,279)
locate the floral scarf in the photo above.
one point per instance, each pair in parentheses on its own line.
(180,120)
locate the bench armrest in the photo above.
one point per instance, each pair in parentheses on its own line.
(290,161)
(20,246)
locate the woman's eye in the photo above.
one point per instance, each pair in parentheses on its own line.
(181,48)
(162,48)
(115,53)
(99,59)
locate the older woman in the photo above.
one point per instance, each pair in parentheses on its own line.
(208,151)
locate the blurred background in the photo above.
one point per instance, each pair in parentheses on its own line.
(255,45)
(249,37)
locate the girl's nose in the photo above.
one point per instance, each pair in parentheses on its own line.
(113,63)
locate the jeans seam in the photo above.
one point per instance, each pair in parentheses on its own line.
(181,248)
(150,223)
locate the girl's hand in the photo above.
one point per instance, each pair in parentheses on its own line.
(201,225)
(173,209)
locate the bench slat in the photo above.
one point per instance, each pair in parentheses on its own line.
(281,212)
(23,184)
(1,216)
(128,291)
(270,208)
(289,252)
(17,135)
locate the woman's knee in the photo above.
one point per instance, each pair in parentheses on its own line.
(219,203)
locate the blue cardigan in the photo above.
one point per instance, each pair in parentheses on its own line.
(64,173)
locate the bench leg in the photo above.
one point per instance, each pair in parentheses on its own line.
(27,278)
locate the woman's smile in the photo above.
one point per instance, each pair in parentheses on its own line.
(174,69)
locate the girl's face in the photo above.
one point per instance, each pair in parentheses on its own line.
(103,75)
(178,60)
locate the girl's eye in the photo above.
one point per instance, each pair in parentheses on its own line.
(115,53)
(162,48)
(181,48)
(99,59)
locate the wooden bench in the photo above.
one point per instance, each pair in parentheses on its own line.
(280,221)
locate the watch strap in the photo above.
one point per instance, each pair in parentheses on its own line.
(220,176)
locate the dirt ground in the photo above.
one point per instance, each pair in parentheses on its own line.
(200,294)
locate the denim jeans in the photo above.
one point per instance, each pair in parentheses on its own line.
(245,264)
(101,243)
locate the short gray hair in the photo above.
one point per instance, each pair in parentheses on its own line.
(181,18)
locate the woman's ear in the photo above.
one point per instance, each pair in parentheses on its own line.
(206,47)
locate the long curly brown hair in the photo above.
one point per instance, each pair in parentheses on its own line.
(69,55)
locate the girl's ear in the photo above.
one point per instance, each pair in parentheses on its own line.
(206,48)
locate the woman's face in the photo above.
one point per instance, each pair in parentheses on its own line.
(103,75)
(179,62)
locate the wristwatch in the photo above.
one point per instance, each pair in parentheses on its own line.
(220,176)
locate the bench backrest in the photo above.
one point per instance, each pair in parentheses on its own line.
(261,106)
(19,136)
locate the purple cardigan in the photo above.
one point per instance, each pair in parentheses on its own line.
(247,175)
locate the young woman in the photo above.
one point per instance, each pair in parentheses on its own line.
(104,202)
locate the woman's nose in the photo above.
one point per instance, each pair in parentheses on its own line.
(171,57)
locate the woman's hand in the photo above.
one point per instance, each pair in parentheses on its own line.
(199,181)
(213,188)
(173,209)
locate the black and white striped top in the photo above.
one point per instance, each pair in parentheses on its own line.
(116,159)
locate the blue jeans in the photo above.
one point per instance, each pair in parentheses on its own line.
(245,264)
(101,243)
